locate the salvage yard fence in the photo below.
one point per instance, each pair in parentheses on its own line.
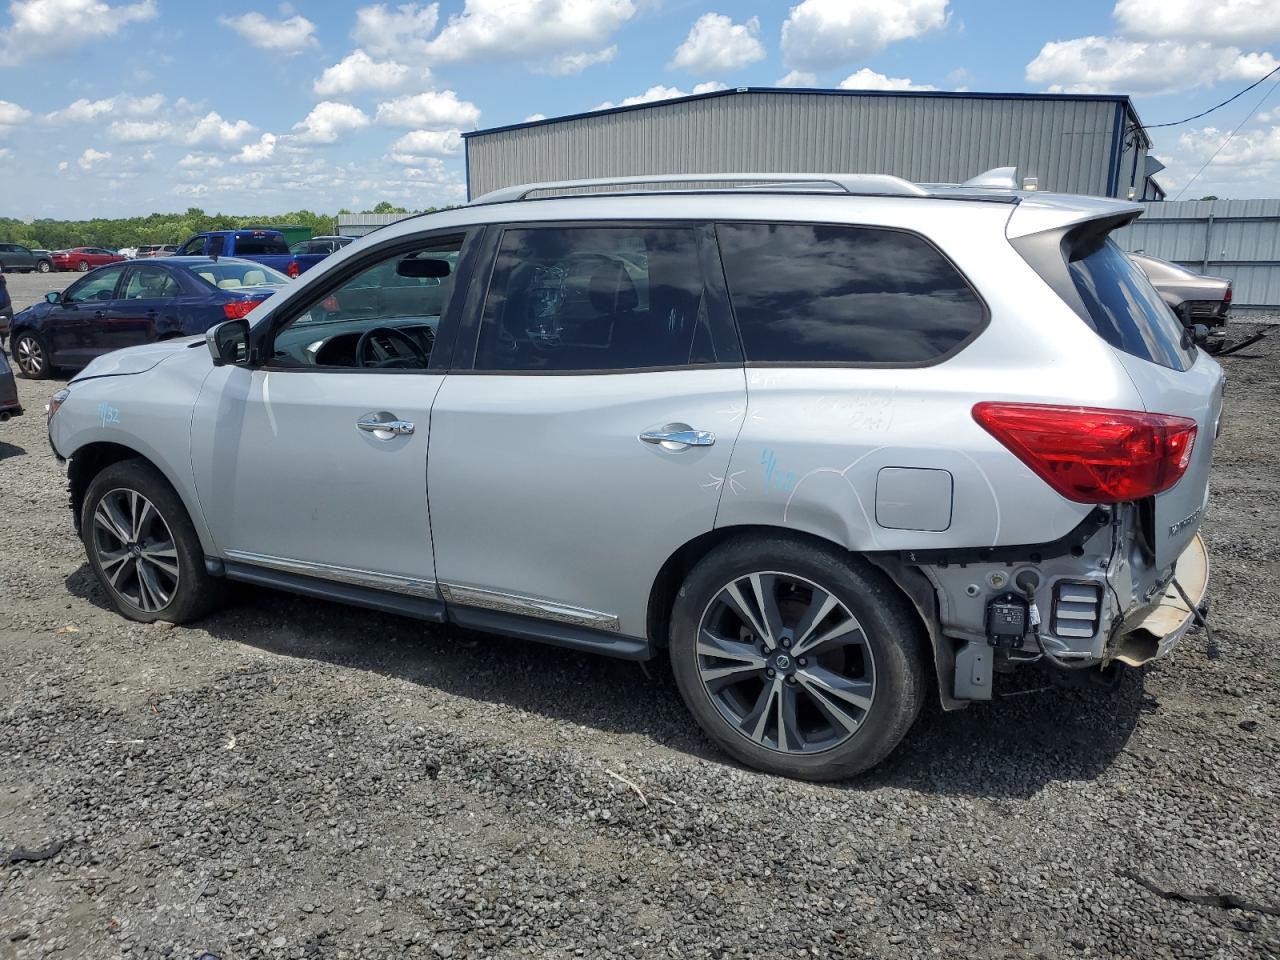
(1236,239)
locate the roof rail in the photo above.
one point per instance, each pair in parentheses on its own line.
(859,184)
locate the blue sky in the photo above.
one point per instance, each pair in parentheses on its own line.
(124,107)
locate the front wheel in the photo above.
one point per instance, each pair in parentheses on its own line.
(143,547)
(32,356)
(797,658)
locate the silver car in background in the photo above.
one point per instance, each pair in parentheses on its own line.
(823,441)
(1193,297)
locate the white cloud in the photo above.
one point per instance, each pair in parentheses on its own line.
(865,79)
(84,110)
(259,152)
(435,109)
(711,86)
(715,43)
(414,146)
(1250,23)
(799,78)
(44,27)
(571,63)
(652,95)
(11,115)
(191,189)
(199,161)
(63,165)
(528,30)
(212,131)
(327,120)
(358,72)
(289,36)
(92,157)
(535,116)
(1114,65)
(399,32)
(1249,148)
(828,33)
(139,131)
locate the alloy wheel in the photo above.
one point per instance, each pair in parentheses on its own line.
(84,266)
(29,355)
(135,550)
(786,663)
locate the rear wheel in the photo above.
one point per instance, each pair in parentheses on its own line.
(798,659)
(32,356)
(143,547)
(44,266)
(83,266)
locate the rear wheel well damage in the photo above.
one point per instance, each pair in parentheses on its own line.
(906,578)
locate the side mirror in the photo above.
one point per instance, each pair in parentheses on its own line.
(228,343)
(53,296)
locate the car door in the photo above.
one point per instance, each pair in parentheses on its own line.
(147,303)
(193,247)
(590,440)
(76,323)
(315,463)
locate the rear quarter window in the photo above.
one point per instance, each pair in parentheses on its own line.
(252,246)
(830,294)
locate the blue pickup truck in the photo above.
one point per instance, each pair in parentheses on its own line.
(267,247)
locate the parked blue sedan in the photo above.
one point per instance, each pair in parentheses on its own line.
(125,304)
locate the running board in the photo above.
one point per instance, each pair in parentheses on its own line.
(605,642)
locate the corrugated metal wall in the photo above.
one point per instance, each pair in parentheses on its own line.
(1237,239)
(1067,143)
(358,224)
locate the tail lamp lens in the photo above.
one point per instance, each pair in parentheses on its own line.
(239,308)
(1093,455)
(293,270)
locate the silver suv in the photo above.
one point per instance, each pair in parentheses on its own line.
(826,441)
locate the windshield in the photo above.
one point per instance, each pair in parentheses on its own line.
(227,274)
(1124,308)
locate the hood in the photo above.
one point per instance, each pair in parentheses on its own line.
(135,359)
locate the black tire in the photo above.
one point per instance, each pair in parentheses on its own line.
(895,647)
(190,594)
(31,354)
(44,266)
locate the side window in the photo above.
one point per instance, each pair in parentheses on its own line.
(811,293)
(150,283)
(595,298)
(192,248)
(100,286)
(217,245)
(384,317)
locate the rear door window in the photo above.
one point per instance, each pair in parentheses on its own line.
(1123,307)
(832,294)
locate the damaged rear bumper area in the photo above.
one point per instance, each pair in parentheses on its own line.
(1086,602)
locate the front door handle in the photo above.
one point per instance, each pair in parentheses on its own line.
(384,426)
(679,438)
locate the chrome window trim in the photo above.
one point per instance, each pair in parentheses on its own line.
(528,607)
(395,583)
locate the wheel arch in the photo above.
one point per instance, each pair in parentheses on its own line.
(915,588)
(92,458)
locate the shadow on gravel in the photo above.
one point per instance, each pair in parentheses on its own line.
(8,450)
(1031,735)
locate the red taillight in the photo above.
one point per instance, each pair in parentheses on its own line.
(293,270)
(1227,298)
(1092,455)
(239,308)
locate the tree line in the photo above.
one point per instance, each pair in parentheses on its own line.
(159,227)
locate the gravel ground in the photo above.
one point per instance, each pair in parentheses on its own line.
(295,779)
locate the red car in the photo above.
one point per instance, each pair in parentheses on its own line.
(84,258)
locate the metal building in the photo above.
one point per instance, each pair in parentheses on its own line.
(1087,144)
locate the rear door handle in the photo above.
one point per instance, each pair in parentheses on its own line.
(682,438)
(379,424)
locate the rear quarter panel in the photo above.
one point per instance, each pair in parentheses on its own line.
(815,439)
